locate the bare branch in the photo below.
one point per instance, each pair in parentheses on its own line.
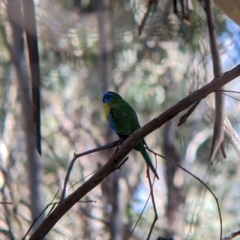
(153,203)
(126,147)
(199,180)
(145,17)
(183,119)
(150,194)
(76,156)
(232,235)
(218,132)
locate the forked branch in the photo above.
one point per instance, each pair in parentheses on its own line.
(126,147)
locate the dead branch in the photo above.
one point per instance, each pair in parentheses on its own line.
(76,156)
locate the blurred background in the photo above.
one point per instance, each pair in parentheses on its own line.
(86,48)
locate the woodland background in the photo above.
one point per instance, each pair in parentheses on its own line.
(51,103)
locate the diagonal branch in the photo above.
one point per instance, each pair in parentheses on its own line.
(126,147)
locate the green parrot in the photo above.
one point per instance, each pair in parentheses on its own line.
(123,121)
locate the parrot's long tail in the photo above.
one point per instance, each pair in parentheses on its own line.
(147,159)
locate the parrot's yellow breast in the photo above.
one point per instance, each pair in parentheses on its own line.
(107,109)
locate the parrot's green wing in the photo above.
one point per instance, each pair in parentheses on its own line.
(123,119)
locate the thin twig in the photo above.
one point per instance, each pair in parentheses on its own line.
(35,220)
(76,156)
(153,203)
(231,97)
(7,213)
(82,179)
(199,180)
(185,116)
(53,204)
(119,166)
(154,206)
(6,203)
(223,90)
(130,234)
(145,17)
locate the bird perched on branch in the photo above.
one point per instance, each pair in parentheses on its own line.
(123,121)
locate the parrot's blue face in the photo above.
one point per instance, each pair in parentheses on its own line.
(111,97)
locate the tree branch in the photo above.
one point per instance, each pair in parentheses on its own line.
(218,132)
(126,147)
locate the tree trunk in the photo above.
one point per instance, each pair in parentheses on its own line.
(174,180)
(24,84)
